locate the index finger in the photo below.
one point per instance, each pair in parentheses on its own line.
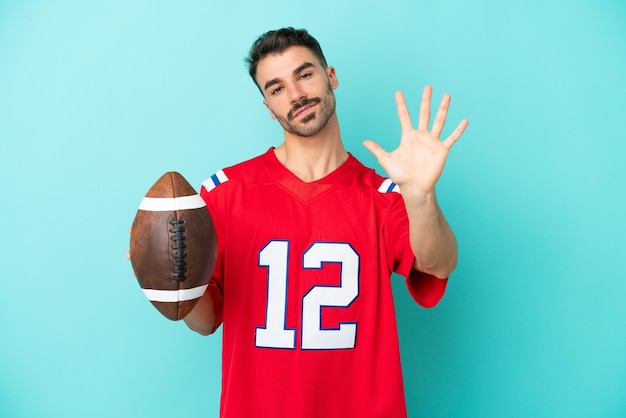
(403,112)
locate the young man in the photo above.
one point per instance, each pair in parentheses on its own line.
(308,239)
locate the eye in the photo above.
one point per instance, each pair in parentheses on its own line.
(305,75)
(276,91)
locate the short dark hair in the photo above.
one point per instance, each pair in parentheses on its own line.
(277,41)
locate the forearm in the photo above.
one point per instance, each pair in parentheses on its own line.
(201,319)
(432,240)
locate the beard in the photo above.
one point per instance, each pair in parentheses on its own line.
(314,122)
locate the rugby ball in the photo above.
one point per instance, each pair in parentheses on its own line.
(173,246)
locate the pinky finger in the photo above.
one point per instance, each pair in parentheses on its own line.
(456,134)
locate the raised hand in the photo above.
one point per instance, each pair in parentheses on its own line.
(418,161)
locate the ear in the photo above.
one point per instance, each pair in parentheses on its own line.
(332,77)
(269,110)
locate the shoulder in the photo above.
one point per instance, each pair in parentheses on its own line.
(368,178)
(248,171)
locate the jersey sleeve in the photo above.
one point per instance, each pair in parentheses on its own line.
(427,290)
(216,284)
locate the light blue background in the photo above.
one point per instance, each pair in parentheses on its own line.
(99,98)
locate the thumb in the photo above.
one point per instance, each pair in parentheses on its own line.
(374,148)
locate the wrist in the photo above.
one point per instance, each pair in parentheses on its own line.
(413,193)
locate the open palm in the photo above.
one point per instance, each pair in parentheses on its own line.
(419,159)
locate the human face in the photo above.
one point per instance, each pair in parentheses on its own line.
(298,90)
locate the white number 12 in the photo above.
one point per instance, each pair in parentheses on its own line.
(275,334)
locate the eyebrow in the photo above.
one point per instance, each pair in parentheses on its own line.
(273,81)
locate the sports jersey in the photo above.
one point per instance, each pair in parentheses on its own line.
(302,290)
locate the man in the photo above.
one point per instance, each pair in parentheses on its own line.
(308,238)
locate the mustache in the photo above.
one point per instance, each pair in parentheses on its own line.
(302,103)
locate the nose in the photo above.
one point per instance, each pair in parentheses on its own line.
(296,93)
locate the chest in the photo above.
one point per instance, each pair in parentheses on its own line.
(304,270)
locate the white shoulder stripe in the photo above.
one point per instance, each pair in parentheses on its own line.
(215,180)
(388,186)
(163,204)
(180,295)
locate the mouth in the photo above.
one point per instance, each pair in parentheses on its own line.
(302,108)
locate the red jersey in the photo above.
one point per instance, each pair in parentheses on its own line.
(302,290)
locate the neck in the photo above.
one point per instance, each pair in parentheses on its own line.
(312,158)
